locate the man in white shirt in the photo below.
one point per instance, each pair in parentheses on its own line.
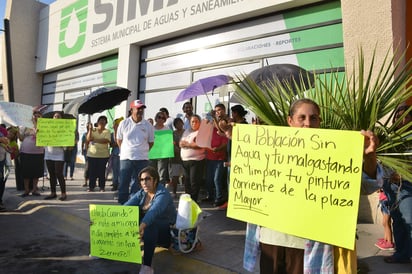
(135,137)
(187,108)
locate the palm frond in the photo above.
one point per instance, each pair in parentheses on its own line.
(362,98)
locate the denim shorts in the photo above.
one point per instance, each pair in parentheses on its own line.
(384,205)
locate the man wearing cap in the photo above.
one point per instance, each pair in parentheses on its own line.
(135,137)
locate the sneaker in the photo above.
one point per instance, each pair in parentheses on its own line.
(145,269)
(380,240)
(219,203)
(385,245)
(223,207)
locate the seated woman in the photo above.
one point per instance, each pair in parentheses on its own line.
(157,213)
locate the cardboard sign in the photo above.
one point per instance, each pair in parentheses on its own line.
(304,182)
(16,114)
(163,145)
(205,133)
(55,132)
(114,233)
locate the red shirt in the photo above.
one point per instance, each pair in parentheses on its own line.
(217,141)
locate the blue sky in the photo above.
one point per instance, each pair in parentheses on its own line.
(3,7)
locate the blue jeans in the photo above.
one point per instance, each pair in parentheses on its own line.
(129,170)
(156,234)
(71,164)
(214,179)
(115,170)
(400,202)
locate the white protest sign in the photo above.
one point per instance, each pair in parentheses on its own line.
(16,114)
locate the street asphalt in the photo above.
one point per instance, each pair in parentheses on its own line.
(52,236)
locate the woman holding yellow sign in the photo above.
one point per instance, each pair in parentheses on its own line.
(54,157)
(284,253)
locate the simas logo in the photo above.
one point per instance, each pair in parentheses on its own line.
(73,20)
(108,11)
(73,24)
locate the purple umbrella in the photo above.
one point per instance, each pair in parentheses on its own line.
(203,86)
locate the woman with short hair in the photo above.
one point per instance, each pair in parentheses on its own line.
(98,153)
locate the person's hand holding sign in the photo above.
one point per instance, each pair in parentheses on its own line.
(369,157)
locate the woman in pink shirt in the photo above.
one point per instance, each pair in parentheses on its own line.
(193,158)
(31,157)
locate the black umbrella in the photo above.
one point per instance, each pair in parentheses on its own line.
(284,74)
(97,101)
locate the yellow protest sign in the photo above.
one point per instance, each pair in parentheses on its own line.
(114,233)
(300,181)
(55,132)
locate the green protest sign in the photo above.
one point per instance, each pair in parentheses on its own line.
(163,145)
(114,233)
(55,132)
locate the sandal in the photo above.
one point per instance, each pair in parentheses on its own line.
(393,260)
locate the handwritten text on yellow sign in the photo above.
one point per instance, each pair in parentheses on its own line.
(55,132)
(299,181)
(114,233)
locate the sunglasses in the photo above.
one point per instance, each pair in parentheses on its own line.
(146,179)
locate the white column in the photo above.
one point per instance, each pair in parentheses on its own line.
(128,74)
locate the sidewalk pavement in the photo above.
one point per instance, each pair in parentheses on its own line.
(222,238)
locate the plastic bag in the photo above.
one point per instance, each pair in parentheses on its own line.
(187,213)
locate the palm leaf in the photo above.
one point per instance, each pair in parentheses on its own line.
(362,98)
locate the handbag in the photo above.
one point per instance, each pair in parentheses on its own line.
(185,240)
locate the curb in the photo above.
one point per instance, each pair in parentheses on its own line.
(58,216)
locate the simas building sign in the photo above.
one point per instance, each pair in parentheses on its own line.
(83,28)
(110,12)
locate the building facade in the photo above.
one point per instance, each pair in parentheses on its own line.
(157,48)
